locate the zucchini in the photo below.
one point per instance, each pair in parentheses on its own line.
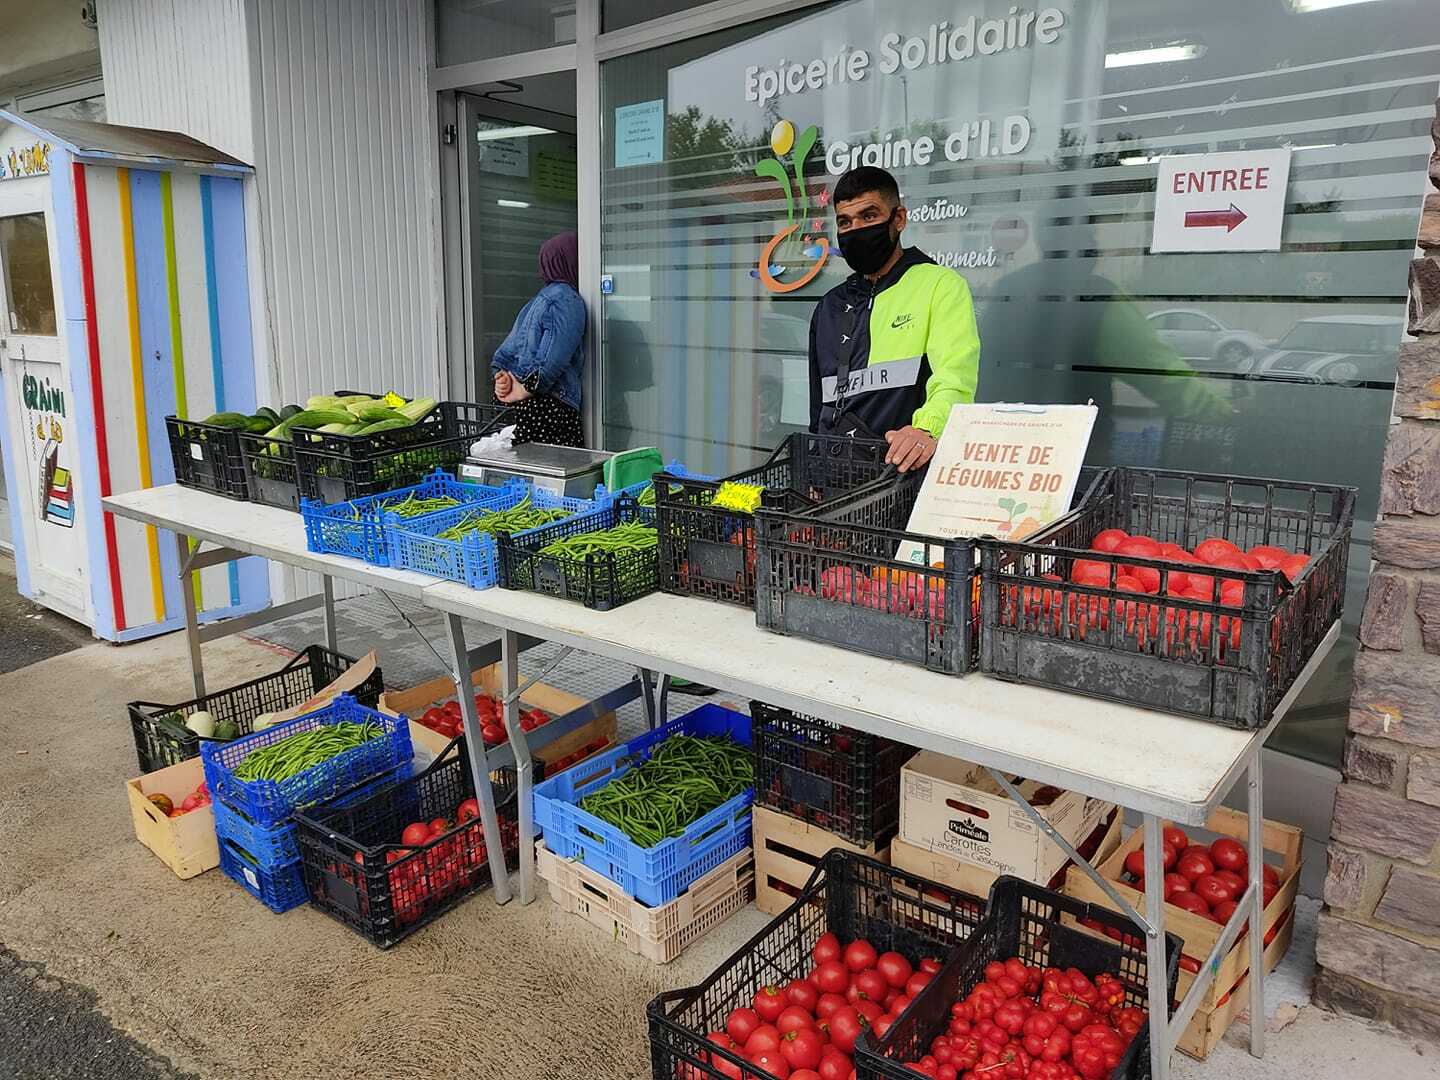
(384,425)
(417,409)
(334,429)
(316,418)
(258,425)
(269,413)
(227,419)
(290,410)
(324,401)
(373,414)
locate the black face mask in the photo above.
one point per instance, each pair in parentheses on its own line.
(867,248)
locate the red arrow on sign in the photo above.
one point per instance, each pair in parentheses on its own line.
(1210,219)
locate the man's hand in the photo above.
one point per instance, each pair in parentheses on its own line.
(910,448)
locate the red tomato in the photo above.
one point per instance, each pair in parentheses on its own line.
(845,1027)
(930,964)
(1269,558)
(829,1005)
(835,1066)
(901,1003)
(1148,577)
(860,955)
(437,826)
(869,1011)
(1135,863)
(803,1074)
(1129,583)
(1171,551)
(1212,890)
(802,1048)
(1268,891)
(1232,879)
(1194,863)
(416,834)
(1175,883)
(1228,854)
(1108,540)
(493,734)
(1215,548)
(1232,593)
(793,1019)
(832,977)
(769,1003)
(1294,566)
(773,1062)
(1141,546)
(827,948)
(1190,902)
(468,810)
(803,994)
(1090,572)
(1176,837)
(741,1024)
(895,968)
(764,1037)
(868,985)
(918,982)
(1270,875)
(1222,911)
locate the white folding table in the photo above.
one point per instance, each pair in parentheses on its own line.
(1163,767)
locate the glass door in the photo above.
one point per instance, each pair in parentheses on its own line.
(517,191)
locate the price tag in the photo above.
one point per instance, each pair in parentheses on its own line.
(196,452)
(250,877)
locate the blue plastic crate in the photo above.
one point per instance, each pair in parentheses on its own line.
(659,874)
(415,544)
(279,890)
(357,528)
(273,846)
(269,802)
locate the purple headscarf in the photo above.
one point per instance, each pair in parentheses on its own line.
(560,259)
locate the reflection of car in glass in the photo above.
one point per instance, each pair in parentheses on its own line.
(1194,335)
(1342,350)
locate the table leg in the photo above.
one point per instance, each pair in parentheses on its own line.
(192,621)
(331,641)
(479,767)
(647,690)
(1159,992)
(524,768)
(663,706)
(1257,911)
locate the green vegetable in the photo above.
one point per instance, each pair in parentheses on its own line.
(497,522)
(225,730)
(290,410)
(417,409)
(646,497)
(411,506)
(685,778)
(227,419)
(317,418)
(304,750)
(201,723)
(259,425)
(325,401)
(621,540)
(384,425)
(269,414)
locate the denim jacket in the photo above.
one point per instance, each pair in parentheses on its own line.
(547,342)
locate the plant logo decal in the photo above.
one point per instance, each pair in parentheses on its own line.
(797,242)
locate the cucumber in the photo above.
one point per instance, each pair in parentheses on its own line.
(334,429)
(269,413)
(316,418)
(384,425)
(227,419)
(290,410)
(259,425)
(373,414)
(417,409)
(353,429)
(324,401)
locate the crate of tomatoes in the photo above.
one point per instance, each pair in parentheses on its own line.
(1206,874)
(1031,995)
(394,861)
(858,945)
(1203,595)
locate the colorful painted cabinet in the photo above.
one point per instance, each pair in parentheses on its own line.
(126,298)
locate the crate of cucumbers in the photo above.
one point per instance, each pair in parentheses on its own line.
(360,422)
(397,443)
(206,453)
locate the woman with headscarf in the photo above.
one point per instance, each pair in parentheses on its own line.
(537,367)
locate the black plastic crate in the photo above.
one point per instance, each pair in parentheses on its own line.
(338,468)
(207,457)
(347,852)
(1040,927)
(162,739)
(849,895)
(844,781)
(601,581)
(270,476)
(709,552)
(1226,663)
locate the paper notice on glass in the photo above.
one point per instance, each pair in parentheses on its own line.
(1000,470)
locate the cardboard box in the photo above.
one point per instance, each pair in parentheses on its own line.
(186,843)
(787,851)
(956,808)
(437,691)
(1198,934)
(976,880)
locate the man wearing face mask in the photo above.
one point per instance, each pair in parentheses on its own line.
(894,346)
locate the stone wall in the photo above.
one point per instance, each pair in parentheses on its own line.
(1379,941)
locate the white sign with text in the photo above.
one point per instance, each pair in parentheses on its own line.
(1221,202)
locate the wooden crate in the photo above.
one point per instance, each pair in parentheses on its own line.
(659,934)
(976,880)
(1208,1026)
(1198,935)
(186,843)
(786,853)
(553,700)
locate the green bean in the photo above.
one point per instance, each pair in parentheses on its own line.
(621,539)
(685,778)
(524,515)
(294,754)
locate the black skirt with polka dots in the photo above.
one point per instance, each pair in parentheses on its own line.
(544,419)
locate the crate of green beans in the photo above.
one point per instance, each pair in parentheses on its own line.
(601,559)
(460,544)
(267,776)
(357,528)
(660,811)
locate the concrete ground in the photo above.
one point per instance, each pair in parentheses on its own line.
(197,977)
(29,632)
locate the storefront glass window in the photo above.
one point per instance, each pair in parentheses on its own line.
(1044,127)
(25,275)
(617,14)
(468,30)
